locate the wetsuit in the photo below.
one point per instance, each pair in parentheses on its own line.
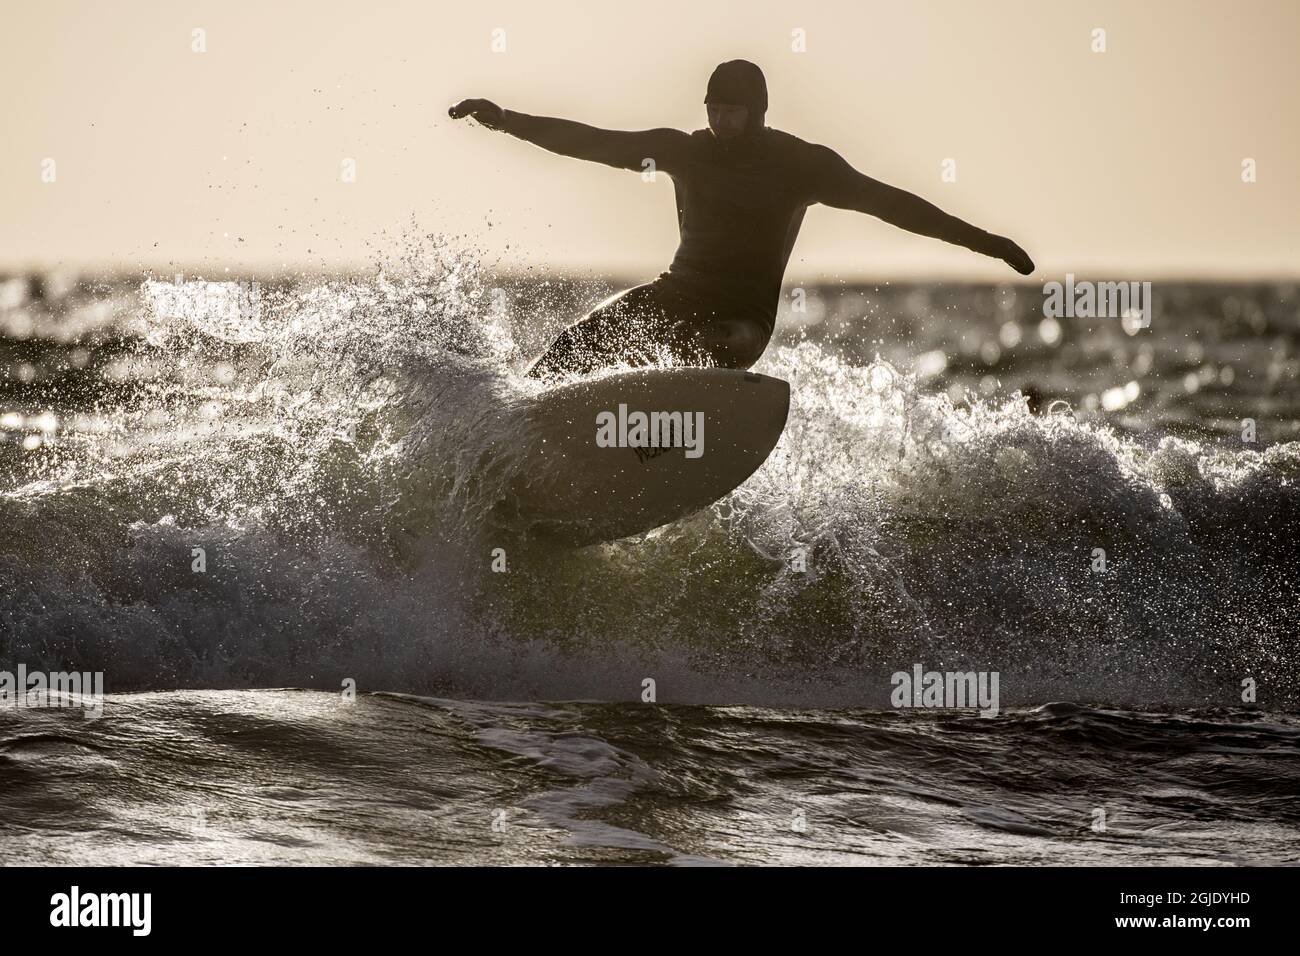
(740,203)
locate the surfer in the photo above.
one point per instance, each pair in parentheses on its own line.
(742,190)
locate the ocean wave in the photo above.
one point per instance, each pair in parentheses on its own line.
(339,449)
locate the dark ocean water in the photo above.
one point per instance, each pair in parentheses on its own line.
(1102,515)
(299,777)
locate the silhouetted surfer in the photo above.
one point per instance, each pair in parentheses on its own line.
(742,190)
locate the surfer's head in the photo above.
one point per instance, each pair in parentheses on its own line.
(736,99)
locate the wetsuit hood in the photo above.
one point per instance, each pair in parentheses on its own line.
(740,83)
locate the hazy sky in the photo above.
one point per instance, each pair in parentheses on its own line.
(1127,162)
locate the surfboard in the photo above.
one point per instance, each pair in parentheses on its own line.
(621,455)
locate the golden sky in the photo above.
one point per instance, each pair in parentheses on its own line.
(1127,162)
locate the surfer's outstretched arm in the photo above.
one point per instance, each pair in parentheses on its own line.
(624,149)
(842,186)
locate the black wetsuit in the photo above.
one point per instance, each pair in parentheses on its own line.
(740,203)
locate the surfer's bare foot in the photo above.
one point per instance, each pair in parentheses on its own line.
(485,111)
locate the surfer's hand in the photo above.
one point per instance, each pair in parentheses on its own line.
(485,111)
(1010,253)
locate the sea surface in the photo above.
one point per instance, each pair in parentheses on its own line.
(267,510)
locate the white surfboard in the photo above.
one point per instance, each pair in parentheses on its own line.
(578,489)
